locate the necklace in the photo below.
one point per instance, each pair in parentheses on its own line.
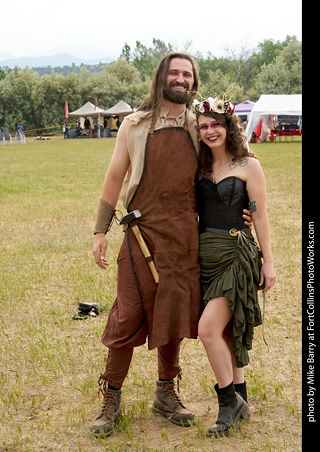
(214,178)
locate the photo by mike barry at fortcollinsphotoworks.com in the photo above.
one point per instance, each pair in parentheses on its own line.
(310,331)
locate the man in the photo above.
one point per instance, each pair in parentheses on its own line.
(157,148)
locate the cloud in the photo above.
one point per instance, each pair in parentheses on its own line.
(101,28)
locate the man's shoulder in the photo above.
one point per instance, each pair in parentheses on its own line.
(191,116)
(137,116)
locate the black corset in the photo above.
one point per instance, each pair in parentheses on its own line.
(220,205)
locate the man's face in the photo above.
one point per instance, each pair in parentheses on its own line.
(179,80)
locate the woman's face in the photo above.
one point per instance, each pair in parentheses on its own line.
(211,132)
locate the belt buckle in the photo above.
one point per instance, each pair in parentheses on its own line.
(233,232)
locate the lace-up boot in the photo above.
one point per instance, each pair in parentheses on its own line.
(168,404)
(109,413)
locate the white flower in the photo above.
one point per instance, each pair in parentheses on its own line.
(218,106)
(201,108)
(211,102)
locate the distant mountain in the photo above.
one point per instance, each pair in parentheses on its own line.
(58,60)
(6,56)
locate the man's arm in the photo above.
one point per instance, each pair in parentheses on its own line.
(111,187)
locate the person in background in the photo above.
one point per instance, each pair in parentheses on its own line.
(78,127)
(65,129)
(87,123)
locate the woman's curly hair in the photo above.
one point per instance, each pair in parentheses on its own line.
(235,142)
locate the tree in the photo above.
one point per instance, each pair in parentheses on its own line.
(126,52)
(120,80)
(284,75)
(19,98)
(238,61)
(144,58)
(37,101)
(217,84)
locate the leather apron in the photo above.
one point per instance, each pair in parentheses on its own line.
(166,199)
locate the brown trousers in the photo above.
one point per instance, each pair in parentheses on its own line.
(119,362)
(127,328)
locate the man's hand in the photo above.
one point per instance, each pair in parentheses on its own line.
(99,249)
(247,217)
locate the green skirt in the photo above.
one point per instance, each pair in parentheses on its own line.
(230,267)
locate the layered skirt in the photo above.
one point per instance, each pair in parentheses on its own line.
(230,267)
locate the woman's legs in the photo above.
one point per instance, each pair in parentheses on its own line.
(215,337)
(212,324)
(238,372)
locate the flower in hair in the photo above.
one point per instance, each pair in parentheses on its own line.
(211,105)
(215,105)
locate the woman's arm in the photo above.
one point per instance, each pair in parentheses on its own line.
(256,187)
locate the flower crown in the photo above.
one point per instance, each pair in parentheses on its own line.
(215,104)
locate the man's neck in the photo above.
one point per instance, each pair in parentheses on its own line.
(174,109)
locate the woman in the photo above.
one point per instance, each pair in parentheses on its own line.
(231,266)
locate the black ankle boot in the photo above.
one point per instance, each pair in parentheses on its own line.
(232,408)
(241,388)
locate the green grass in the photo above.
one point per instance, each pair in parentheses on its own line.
(50,364)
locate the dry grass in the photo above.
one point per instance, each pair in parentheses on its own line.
(50,363)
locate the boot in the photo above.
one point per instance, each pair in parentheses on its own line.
(167,404)
(232,408)
(241,389)
(109,414)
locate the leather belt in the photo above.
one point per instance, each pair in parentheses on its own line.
(233,232)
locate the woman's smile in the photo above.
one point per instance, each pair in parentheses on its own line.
(211,132)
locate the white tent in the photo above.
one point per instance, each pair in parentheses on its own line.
(273,104)
(87,109)
(120,109)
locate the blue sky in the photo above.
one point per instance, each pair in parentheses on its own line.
(100,28)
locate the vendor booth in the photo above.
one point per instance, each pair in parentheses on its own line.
(93,121)
(93,128)
(113,117)
(87,109)
(264,115)
(243,110)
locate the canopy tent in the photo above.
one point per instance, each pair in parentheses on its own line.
(87,109)
(244,108)
(273,104)
(120,109)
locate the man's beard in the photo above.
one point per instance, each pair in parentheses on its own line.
(176,97)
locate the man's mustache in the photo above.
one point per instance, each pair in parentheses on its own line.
(184,85)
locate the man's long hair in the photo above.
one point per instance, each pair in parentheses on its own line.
(152,102)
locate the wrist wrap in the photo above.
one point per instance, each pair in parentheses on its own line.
(104,218)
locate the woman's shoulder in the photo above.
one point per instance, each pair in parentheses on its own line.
(247,167)
(254,169)
(249,162)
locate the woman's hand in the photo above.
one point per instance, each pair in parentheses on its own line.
(267,276)
(99,249)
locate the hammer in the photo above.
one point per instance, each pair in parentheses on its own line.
(127,219)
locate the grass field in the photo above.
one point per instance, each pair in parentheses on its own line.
(50,363)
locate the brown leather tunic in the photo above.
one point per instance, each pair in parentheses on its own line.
(166,199)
